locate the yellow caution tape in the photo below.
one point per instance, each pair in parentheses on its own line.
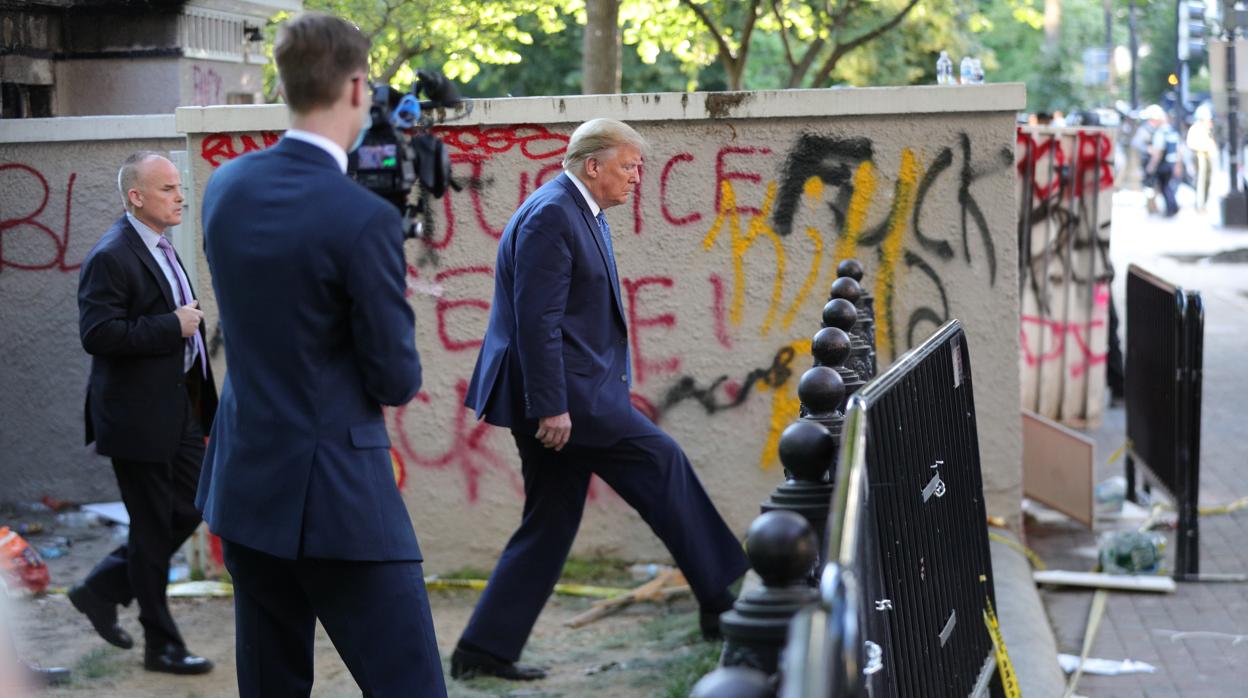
(593,592)
(1118,453)
(1009,680)
(1032,557)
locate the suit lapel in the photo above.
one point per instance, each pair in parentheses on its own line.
(135,242)
(591,224)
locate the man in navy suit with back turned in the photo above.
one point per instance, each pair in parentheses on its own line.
(554,369)
(309,276)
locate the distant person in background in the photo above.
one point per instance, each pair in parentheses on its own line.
(1147,122)
(1164,163)
(1204,148)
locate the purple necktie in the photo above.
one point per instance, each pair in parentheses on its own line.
(184,297)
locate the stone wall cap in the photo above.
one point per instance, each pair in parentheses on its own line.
(668,106)
(88,128)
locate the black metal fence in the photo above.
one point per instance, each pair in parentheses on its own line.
(908,587)
(1165,346)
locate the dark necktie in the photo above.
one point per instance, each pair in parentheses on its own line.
(184,297)
(605,229)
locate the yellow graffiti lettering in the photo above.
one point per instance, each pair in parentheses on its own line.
(856,216)
(785,405)
(891,249)
(814,194)
(728,216)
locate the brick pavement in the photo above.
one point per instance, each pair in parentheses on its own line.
(1211,660)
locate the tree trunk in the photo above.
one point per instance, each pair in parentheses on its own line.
(1052,23)
(600,51)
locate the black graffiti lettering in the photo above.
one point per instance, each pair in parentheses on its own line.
(939,247)
(924,313)
(687,388)
(829,158)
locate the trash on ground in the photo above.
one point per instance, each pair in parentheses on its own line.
(1131,552)
(20,564)
(1104,667)
(666,584)
(202,588)
(1109,494)
(52,552)
(109,511)
(1126,582)
(29,529)
(605,666)
(179,573)
(56,504)
(78,519)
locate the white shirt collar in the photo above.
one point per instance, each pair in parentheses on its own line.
(594,208)
(150,237)
(316,139)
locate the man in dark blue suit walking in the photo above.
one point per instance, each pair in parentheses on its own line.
(554,368)
(309,276)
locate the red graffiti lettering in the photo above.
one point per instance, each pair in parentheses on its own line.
(445,307)
(637,321)
(206,86)
(668,216)
(536,142)
(218,148)
(468,451)
(723,174)
(721,323)
(9,227)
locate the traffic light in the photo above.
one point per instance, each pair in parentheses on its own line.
(1191,29)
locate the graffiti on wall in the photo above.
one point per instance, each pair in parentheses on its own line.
(206,86)
(1065,181)
(30,239)
(758,254)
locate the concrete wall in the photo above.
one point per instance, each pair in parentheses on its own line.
(116,85)
(747,203)
(58,195)
(1066,187)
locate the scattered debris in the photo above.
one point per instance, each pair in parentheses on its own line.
(109,511)
(1131,552)
(1098,580)
(600,668)
(202,588)
(668,583)
(1104,667)
(20,564)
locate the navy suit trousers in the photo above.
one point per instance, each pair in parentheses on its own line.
(376,614)
(650,472)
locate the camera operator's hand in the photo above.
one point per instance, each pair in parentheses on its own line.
(555,431)
(189,316)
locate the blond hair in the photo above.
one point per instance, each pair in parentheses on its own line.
(595,136)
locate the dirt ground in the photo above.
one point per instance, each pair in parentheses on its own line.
(645,650)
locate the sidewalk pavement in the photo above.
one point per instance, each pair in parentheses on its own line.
(1197,638)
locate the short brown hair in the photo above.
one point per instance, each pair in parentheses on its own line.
(315,52)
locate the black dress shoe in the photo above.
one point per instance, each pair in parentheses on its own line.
(174,659)
(708,622)
(466,664)
(47,676)
(103,616)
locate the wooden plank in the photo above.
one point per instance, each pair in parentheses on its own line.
(1098,580)
(1057,467)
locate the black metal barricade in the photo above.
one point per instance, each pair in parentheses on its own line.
(1165,346)
(908,589)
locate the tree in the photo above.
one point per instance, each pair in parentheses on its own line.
(457,35)
(600,53)
(813,36)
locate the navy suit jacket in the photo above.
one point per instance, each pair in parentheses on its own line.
(309,276)
(136,396)
(557,339)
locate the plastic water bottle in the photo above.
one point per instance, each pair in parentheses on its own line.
(968,70)
(944,69)
(977,69)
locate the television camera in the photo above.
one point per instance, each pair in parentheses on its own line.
(399,151)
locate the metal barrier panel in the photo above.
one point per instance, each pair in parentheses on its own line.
(921,537)
(1165,346)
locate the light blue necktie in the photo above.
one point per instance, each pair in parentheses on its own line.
(605,229)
